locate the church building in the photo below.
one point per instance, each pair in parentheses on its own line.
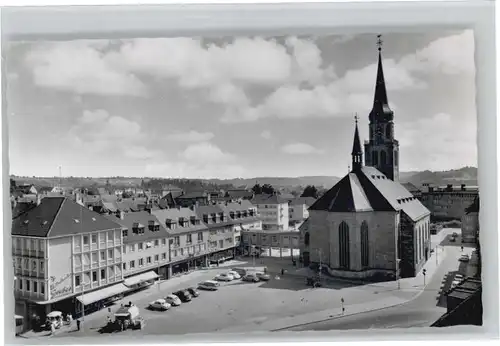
(369,225)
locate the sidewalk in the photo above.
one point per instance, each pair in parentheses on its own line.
(413,285)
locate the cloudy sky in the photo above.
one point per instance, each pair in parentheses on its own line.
(234,107)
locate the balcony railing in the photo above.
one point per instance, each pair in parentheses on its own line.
(86,248)
(110,260)
(94,246)
(95,264)
(78,268)
(86,267)
(102,263)
(110,243)
(78,249)
(102,245)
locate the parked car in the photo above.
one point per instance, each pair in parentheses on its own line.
(251,277)
(160,305)
(464,258)
(193,291)
(452,239)
(241,271)
(173,300)
(459,277)
(235,275)
(454,234)
(183,295)
(262,276)
(209,285)
(224,277)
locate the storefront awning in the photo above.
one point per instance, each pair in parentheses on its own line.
(134,280)
(103,293)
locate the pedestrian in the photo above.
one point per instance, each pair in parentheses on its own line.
(462,248)
(78,324)
(52,329)
(70,319)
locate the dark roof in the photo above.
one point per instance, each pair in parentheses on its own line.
(380,108)
(356,145)
(240,193)
(59,216)
(367,189)
(200,194)
(174,214)
(143,218)
(410,187)
(208,209)
(268,199)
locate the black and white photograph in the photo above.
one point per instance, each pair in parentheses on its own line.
(243,183)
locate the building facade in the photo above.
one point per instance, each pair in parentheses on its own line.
(58,229)
(470,223)
(368,225)
(273,211)
(448,202)
(298,210)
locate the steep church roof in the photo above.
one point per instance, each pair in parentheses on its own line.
(367,189)
(380,108)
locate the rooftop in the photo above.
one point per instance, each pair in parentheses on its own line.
(268,199)
(59,216)
(367,189)
(141,218)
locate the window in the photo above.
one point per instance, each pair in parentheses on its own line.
(33,265)
(189,238)
(175,253)
(163,242)
(306,239)
(182,252)
(141,262)
(164,256)
(140,246)
(42,288)
(94,276)
(85,240)
(388,131)
(103,274)
(124,266)
(148,260)
(124,248)
(20,284)
(35,286)
(110,253)
(132,247)
(200,236)
(157,242)
(94,238)
(374,158)
(125,233)
(42,266)
(383,158)
(28,285)
(157,258)
(103,257)
(132,264)
(177,241)
(344,245)
(364,245)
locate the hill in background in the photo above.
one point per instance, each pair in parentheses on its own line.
(465,175)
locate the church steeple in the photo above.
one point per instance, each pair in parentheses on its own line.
(382,149)
(380,110)
(357,153)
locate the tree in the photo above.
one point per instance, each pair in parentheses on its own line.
(12,185)
(268,189)
(257,189)
(310,191)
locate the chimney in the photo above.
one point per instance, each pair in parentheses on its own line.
(449,187)
(122,214)
(462,187)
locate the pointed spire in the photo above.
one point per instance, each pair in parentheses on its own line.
(357,153)
(380,101)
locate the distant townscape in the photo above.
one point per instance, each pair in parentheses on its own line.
(96,256)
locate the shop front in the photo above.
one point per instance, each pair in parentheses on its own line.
(96,300)
(138,282)
(222,256)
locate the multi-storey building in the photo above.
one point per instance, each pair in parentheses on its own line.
(470,223)
(187,242)
(298,210)
(448,202)
(63,251)
(265,241)
(273,210)
(145,248)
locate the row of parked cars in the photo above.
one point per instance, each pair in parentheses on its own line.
(174,299)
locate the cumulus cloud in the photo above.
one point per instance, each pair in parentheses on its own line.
(301,149)
(266,134)
(205,152)
(97,131)
(190,136)
(457,147)
(80,68)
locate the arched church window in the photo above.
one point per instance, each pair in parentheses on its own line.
(306,239)
(374,158)
(383,158)
(344,245)
(388,131)
(365,243)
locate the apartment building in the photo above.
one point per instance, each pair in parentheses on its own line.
(448,202)
(62,251)
(145,248)
(273,210)
(244,216)
(470,222)
(265,241)
(220,231)
(187,240)
(298,210)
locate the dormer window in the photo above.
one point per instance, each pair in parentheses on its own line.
(193,220)
(214,218)
(171,224)
(221,216)
(238,214)
(125,233)
(137,228)
(205,218)
(231,214)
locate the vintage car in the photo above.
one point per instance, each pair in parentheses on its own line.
(159,305)
(126,317)
(173,300)
(54,318)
